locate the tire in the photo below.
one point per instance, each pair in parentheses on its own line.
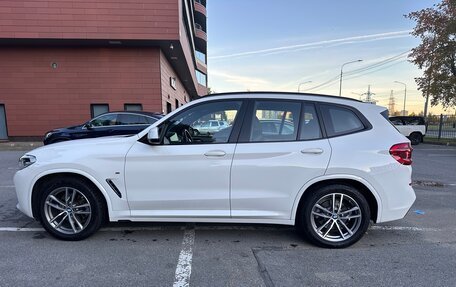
(71,209)
(330,230)
(415,138)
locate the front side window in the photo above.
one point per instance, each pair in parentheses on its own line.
(274,121)
(103,121)
(340,120)
(196,124)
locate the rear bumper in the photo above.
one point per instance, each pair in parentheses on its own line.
(399,206)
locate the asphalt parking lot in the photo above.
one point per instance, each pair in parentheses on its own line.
(419,250)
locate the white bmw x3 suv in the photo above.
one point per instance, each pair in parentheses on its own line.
(342,165)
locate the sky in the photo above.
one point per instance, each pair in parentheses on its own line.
(265,45)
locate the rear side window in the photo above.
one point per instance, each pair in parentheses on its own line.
(130,119)
(274,121)
(151,120)
(339,120)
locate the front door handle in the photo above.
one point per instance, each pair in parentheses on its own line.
(312,151)
(216,153)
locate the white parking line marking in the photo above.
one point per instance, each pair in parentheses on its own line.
(6,186)
(401,228)
(191,232)
(184,264)
(18,229)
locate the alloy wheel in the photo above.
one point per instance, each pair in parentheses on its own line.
(67,210)
(336,217)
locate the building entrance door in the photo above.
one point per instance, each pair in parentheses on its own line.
(3,131)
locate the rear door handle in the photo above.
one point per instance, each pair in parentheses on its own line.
(216,153)
(312,151)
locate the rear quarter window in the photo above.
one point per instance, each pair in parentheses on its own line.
(340,120)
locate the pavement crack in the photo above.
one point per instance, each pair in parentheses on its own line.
(262,269)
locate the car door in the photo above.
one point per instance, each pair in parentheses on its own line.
(188,174)
(271,166)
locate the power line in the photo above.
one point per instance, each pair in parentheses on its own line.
(356,73)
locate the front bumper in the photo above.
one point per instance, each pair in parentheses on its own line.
(23,186)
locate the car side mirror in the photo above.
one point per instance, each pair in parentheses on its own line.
(88,125)
(153,136)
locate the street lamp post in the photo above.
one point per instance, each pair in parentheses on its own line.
(405,95)
(299,86)
(341,74)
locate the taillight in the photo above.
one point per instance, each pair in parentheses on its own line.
(402,153)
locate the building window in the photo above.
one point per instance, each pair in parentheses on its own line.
(172,82)
(201,78)
(169,108)
(98,109)
(133,107)
(177,103)
(200,56)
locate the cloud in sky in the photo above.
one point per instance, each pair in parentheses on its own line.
(243,81)
(318,44)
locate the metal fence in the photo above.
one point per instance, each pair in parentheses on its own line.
(441,126)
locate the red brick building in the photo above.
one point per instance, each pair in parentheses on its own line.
(62,61)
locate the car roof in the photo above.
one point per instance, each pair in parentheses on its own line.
(143,113)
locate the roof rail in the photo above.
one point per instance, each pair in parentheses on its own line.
(286,93)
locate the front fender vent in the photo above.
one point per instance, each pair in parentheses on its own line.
(114,188)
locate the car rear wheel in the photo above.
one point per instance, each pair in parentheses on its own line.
(71,209)
(415,138)
(334,216)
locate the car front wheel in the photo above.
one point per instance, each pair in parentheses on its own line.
(71,209)
(334,216)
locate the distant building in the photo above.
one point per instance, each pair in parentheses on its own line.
(62,62)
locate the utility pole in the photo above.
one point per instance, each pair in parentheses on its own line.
(391,103)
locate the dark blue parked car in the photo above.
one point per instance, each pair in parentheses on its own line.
(108,124)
